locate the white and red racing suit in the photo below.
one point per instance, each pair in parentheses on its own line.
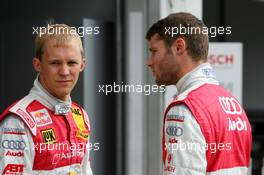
(42,135)
(205,129)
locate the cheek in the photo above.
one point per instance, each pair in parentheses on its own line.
(156,60)
(75,73)
(46,68)
(166,66)
(50,73)
(161,61)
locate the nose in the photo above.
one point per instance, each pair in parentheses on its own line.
(64,70)
(149,62)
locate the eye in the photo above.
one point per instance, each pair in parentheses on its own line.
(72,62)
(54,63)
(153,50)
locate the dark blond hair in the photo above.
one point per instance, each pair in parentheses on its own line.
(61,33)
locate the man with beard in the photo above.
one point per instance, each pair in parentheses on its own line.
(205,129)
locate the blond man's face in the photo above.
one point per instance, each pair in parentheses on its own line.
(59,67)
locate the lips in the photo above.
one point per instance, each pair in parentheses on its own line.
(64,81)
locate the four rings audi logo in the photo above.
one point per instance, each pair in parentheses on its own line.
(174,131)
(230,105)
(14,144)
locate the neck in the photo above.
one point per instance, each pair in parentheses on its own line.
(188,67)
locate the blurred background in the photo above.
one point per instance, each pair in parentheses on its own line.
(127,126)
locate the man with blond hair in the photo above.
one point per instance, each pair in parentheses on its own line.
(45,132)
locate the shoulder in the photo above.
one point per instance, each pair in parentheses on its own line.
(19,109)
(13,127)
(12,121)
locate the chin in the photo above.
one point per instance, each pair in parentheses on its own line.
(162,82)
(63,94)
(158,82)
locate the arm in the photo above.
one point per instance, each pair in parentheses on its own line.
(86,166)
(16,147)
(184,143)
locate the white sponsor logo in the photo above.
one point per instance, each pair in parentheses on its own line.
(230,105)
(69,155)
(238,125)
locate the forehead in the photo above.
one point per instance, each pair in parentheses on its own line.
(155,41)
(56,49)
(53,45)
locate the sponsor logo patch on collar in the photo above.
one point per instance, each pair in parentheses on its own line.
(48,136)
(42,117)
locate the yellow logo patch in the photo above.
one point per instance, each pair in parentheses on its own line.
(78,118)
(82,135)
(76,111)
(48,136)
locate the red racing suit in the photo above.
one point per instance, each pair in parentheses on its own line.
(205,129)
(43,135)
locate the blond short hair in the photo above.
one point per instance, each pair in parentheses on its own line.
(61,33)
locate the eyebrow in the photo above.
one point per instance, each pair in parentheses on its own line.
(53,59)
(70,59)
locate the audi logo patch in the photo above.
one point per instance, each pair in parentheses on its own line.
(174,131)
(14,144)
(230,105)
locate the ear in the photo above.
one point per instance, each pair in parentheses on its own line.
(179,46)
(36,64)
(83,63)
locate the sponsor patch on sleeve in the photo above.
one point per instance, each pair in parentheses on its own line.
(175,117)
(14,169)
(14,131)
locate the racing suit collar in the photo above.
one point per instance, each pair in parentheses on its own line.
(198,76)
(48,100)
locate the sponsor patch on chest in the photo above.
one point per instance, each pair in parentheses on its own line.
(42,117)
(48,136)
(76,111)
